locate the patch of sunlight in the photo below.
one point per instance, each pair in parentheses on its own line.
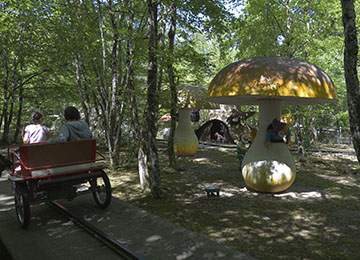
(226,194)
(3,177)
(344,180)
(350,197)
(306,195)
(6,200)
(306,234)
(266,235)
(250,193)
(185,255)
(333,232)
(186,201)
(5,209)
(353,227)
(215,234)
(231,212)
(289,238)
(250,214)
(202,160)
(225,149)
(306,218)
(124,177)
(153,238)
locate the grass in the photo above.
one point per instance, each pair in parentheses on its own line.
(318,217)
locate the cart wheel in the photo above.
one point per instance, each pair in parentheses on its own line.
(102,191)
(22,206)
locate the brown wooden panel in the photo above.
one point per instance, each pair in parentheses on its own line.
(50,154)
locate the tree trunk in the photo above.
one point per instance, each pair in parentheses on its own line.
(171,35)
(163,19)
(80,88)
(351,74)
(6,77)
(289,43)
(103,87)
(112,98)
(116,102)
(5,92)
(298,136)
(20,106)
(152,98)
(140,146)
(8,114)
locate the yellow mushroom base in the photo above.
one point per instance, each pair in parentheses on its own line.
(186,149)
(268,176)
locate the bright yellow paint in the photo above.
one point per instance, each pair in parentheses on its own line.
(264,179)
(185,149)
(272,76)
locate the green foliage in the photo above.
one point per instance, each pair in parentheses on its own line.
(306,30)
(47,35)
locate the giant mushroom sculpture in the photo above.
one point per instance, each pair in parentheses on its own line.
(188,97)
(270,82)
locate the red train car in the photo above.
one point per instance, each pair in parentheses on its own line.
(49,171)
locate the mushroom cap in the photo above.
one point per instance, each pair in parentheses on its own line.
(165,118)
(188,97)
(262,78)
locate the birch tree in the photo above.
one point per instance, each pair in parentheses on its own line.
(153,97)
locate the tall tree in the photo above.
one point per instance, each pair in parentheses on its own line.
(153,97)
(22,49)
(171,35)
(351,73)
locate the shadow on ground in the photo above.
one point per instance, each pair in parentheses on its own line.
(318,217)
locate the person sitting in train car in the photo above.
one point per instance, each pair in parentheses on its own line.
(35,132)
(74,128)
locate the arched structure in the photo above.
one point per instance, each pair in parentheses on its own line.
(212,129)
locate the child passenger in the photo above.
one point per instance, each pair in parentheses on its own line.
(35,132)
(242,148)
(73,129)
(276,132)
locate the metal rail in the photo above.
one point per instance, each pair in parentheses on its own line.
(233,147)
(111,243)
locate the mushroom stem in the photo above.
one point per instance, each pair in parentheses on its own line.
(185,139)
(268,110)
(273,169)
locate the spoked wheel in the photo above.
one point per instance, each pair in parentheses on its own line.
(101,188)
(22,205)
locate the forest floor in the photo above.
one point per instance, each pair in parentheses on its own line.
(318,217)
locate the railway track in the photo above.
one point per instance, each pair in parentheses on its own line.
(104,238)
(310,151)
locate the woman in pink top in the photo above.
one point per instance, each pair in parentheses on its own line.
(35,133)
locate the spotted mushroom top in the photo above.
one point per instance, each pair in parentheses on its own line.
(289,80)
(188,97)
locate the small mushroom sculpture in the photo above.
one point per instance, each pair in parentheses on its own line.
(189,97)
(270,82)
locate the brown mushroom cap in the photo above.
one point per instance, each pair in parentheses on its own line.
(188,97)
(289,80)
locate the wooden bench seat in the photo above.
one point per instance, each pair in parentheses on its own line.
(44,159)
(71,168)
